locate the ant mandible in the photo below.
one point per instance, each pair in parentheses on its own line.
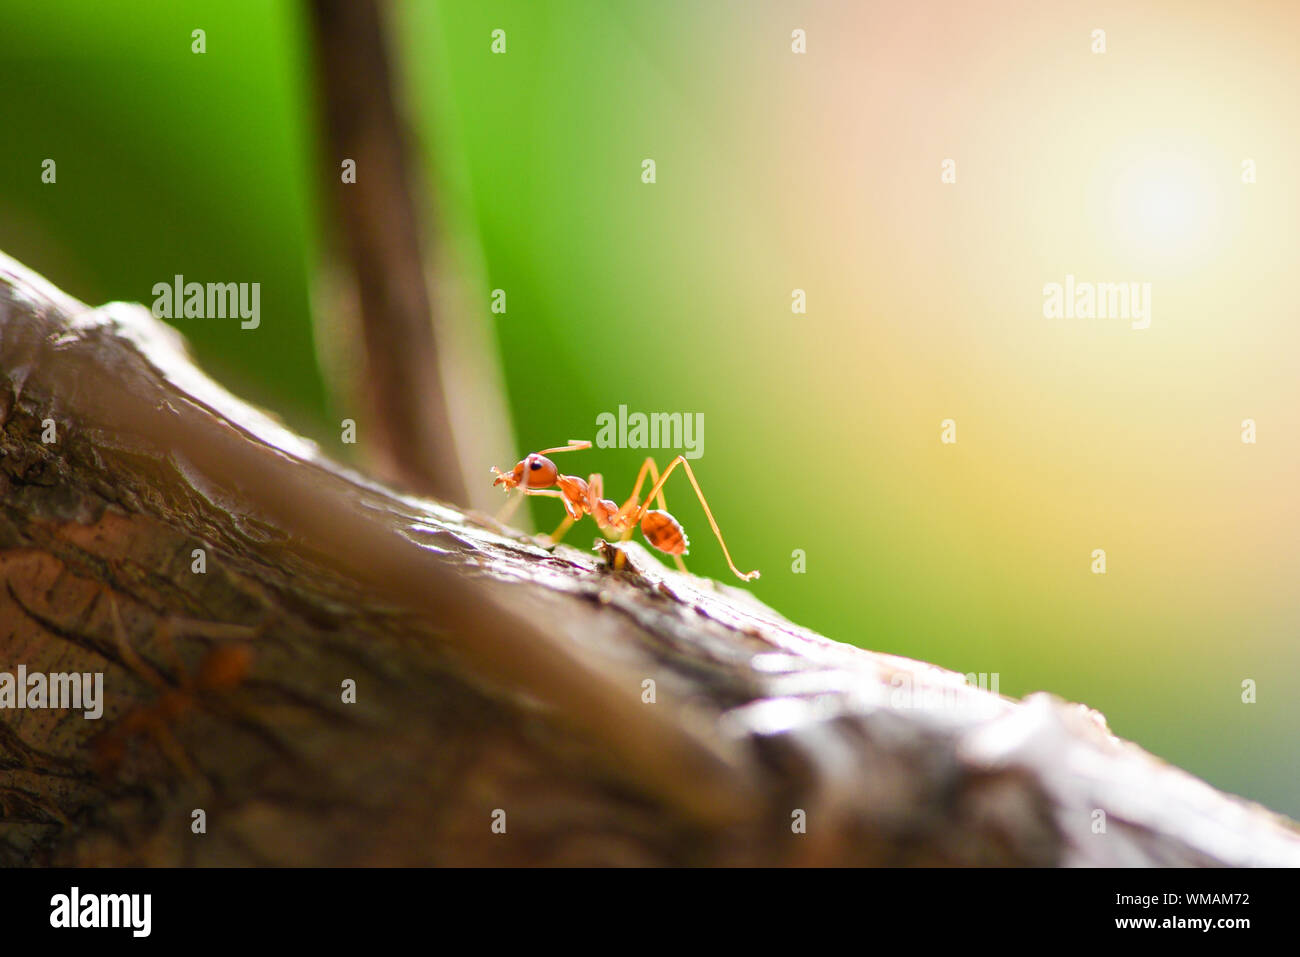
(585,498)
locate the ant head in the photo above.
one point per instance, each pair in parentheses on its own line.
(536,471)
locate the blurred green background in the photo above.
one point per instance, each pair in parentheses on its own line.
(774,172)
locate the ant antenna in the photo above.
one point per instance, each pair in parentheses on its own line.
(575,445)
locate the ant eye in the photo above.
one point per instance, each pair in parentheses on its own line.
(535,466)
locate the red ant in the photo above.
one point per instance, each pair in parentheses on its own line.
(584,498)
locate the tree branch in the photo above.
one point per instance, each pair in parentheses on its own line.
(492,673)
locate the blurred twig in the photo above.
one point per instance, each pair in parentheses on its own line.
(410,431)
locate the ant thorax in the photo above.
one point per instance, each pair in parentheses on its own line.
(574,489)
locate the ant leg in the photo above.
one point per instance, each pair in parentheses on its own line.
(571,512)
(555,493)
(658,486)
(629,506)
(558,535)
(134,661)
(172,702)
(507,511)
(514,501)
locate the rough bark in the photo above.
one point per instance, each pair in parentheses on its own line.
(492,672)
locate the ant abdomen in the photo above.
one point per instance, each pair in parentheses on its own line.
(664,532)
